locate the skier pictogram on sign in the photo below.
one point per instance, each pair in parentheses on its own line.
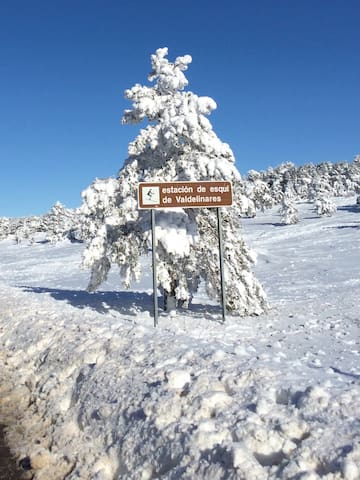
(150,195)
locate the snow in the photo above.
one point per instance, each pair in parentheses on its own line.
(91,390)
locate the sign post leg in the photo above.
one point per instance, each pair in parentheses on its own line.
(221,259)
(153,239)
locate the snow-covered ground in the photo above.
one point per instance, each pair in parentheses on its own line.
(90,390)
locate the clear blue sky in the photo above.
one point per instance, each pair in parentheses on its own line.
(285,75)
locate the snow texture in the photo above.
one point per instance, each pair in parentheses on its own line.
(90,390)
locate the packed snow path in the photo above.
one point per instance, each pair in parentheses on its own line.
(91,390)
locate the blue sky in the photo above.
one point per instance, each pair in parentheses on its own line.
(284,73)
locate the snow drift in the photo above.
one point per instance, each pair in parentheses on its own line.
(90,390)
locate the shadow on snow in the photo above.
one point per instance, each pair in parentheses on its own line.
(350,208)
(127,303)
(130,303)
(340,227)
(274,224)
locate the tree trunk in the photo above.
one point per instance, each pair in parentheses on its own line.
(170,301)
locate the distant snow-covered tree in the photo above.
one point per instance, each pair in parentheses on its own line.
(4,227)
(258,191)
(324,206)
(354,174)
(25,228)
(178,144)
(60,223)
(288,211)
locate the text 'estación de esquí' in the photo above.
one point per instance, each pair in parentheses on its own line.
(185,194)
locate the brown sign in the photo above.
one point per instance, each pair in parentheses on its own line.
(184,194)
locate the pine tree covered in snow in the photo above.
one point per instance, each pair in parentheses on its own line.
(25,228)
(4,227)
(321,191)
(178,144)
(324,206)
(61,223)
(288,211)
(258,192)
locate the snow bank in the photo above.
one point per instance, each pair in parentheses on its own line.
(103,400)
(96,393)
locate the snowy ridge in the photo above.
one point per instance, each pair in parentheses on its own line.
(100,394)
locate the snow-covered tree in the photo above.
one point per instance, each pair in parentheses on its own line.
(354,174)
(324,206)
(61,223)
(26,228)
(178,144)
(288,211)
(258,192)
(4,227)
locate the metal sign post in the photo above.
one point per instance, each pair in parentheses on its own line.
(221,259)
(153,239)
